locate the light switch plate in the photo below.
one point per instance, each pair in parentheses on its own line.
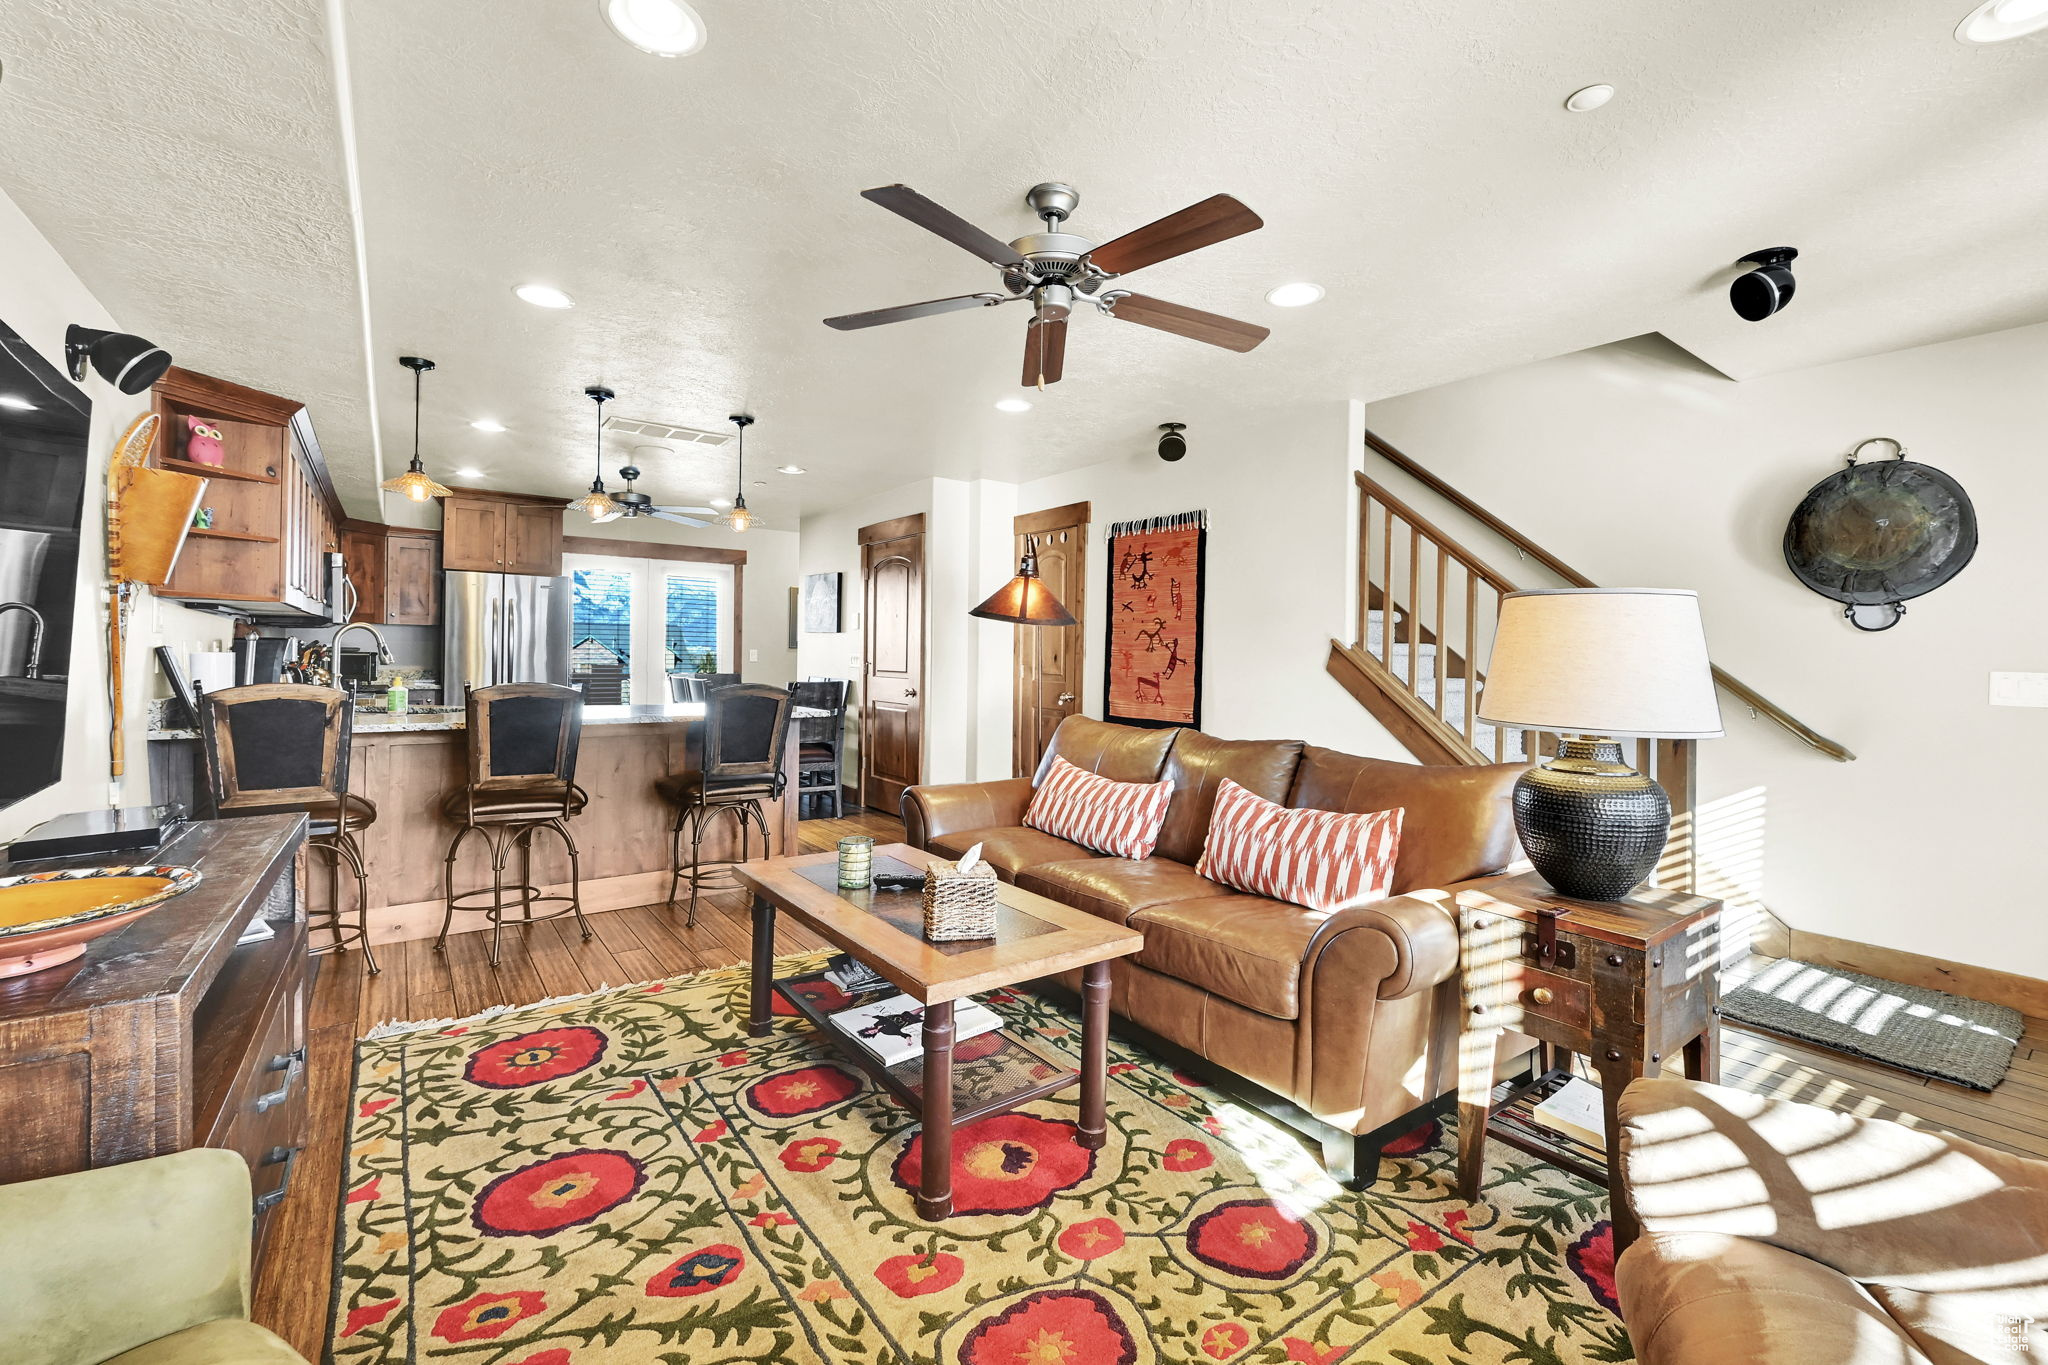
(2019,689)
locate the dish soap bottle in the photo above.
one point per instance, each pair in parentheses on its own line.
(397,696)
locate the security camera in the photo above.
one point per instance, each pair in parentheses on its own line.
(1172,445)
(1766,289)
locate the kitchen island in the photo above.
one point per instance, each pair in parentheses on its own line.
(409,764)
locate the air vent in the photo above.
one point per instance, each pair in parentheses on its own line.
(663,431)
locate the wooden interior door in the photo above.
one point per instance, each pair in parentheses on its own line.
(892,660)
(1050,658)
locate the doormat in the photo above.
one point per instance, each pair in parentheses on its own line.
(1153,667)
(1929,1033)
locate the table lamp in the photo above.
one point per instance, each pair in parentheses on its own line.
(1595,666)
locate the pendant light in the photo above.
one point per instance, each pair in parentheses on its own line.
(597,502)
(414,482)
(1025,600)
(739,519)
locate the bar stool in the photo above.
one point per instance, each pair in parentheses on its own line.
(522,779)
(745,731)
(276,748)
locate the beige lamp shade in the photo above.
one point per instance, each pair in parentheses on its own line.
(1617,662)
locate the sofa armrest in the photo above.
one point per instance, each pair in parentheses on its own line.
(933,812)
(102,1261)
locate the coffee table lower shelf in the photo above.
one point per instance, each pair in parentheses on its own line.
(992,1072)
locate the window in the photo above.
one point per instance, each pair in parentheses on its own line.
(637,620)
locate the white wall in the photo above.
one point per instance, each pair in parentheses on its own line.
(39,298)
(1640,466)
(764,588)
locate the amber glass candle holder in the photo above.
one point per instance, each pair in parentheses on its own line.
(856,862)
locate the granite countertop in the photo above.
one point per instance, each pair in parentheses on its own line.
(369,722)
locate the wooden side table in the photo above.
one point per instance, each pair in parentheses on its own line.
(1624,983)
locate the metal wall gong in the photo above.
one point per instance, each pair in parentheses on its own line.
(1874,536)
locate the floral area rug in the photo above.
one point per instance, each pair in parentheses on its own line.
(626,1177)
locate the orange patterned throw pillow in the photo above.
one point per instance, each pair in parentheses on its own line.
(1121,819)
(1323,859)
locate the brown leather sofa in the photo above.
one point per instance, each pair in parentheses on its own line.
(1778,1233)
(1335,1012)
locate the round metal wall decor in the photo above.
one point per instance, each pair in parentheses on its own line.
(1874,536)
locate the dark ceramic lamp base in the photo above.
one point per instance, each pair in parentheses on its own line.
(1592,826)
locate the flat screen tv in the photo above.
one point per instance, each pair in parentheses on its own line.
(44,424)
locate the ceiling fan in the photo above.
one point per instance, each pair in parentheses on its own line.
(1055,270)
(632,503)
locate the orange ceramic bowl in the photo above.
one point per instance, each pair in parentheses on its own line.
(47,918)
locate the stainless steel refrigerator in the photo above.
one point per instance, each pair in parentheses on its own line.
(503,628)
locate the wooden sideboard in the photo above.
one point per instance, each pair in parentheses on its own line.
(167,1034)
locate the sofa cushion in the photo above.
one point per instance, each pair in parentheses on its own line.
(1460,821)
(1247,949)
(1323,859)
(1117,888)
(1010,849)
(1198,763)
(1121,819)
(1121,753)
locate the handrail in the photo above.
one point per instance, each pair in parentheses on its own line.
(1749,696)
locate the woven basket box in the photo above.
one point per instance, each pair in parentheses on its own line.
(959,904)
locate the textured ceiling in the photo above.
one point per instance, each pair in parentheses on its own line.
(185,155)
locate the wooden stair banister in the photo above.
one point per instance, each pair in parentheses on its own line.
(1748,695)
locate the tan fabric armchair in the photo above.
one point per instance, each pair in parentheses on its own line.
(1777,1233)
(141,1264)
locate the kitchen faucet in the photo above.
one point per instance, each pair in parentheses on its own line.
(34,668)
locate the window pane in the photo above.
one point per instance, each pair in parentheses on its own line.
(601,661)
(690,634)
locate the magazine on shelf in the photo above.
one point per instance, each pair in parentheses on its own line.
(892,1028)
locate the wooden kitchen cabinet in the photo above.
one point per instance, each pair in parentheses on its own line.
(396,571)
(501,533)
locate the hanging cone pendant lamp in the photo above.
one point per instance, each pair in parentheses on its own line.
(597,502)
(1025,600)
(739,519)
(414,482)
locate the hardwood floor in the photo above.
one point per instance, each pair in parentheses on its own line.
(293,1287)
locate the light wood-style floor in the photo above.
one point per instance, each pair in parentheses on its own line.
(293,1286)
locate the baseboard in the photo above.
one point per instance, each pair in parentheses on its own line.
(422,919)
(2027,994)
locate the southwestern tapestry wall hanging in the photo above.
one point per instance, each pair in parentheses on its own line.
(1154,658)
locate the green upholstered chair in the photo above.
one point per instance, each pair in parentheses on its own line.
(145,1263)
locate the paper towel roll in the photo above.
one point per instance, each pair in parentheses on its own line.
(211,671)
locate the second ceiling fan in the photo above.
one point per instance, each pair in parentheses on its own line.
(1055,270)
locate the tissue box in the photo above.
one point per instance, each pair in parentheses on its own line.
(959,905)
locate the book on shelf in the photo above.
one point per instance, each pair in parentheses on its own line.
(1574,1109)
(892,1028)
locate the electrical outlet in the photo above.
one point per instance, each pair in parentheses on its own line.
(2019,689)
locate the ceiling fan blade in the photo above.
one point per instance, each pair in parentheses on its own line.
(1193,323)
(933,218)
(853,321)
(680,521)
(1045,353)
(1216,219)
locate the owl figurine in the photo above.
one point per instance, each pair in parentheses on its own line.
(202,443)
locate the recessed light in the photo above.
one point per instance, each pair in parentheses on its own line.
(1012,405)
(1588,98)
(544,296)
(486,424)
(665,28)
(1295,295)
(1994,21)
(8,400)
(469,473)
(790,469)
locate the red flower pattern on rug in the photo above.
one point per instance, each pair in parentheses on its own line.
(546,1054)
(1005,1164)
(558,1193)
(1053,1327)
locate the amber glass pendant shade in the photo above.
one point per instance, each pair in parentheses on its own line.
(1025,600)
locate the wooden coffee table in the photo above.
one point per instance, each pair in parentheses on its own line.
(1035,937)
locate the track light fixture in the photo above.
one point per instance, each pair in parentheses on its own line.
(127,362)
(1766,289)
